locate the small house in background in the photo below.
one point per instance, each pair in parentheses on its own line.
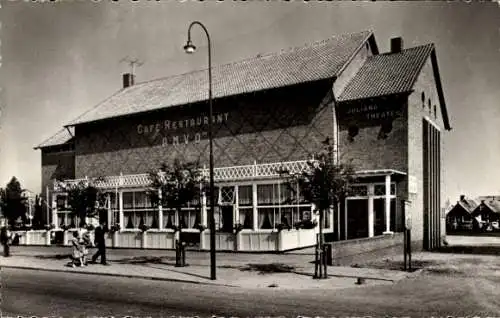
(488,212)
(459,218)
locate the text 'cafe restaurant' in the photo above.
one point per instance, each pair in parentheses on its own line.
(384,111)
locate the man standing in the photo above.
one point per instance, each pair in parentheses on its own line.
(100,241)
(5,237)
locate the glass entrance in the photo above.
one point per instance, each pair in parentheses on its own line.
(357,218)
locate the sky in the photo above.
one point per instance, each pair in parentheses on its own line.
(60,59)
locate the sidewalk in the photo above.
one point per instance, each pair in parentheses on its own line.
(233,269)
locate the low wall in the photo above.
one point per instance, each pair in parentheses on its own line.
(258,241)
(293,239)
(345,253)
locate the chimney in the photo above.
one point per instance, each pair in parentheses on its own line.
(396,45)
(128,80)
(462,197)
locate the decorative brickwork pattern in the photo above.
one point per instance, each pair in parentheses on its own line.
(276,126)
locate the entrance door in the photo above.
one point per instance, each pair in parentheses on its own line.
(357,218)
(227,218)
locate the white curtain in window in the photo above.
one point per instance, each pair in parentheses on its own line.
(242,216)
(168,217)
(286,216)
(266,218)
(148,218)
(327,216)
(265,194)
(245,195)
(128,200)
(192,219)
(129,219)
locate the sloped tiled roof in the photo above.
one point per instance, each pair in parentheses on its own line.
(387,74)
(493,205)
(61,137)
(468,204)
(316,61)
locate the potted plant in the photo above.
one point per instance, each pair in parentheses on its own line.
(238,227)
(200,227)
(115,228)
(175,228)
(144,227)
(64,227)
(280,227)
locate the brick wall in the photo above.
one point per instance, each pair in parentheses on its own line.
(367,151)
(277,125)
(417,110)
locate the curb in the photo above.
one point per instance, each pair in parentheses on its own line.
(115,275)
(355,276)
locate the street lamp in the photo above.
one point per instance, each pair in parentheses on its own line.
(190,48)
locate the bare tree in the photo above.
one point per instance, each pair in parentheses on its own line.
(180,184)
(325,183)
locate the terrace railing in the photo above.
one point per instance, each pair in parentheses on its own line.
(254,171)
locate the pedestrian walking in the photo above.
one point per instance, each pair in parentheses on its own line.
(77,253)
(100,241)
(6,240)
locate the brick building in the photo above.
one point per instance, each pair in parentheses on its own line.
(385,111)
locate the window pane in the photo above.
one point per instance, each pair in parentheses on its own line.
(141,200)
(130,220)
(245,195)
(128,200)
(359,190)
(168,218)
(287,216)
(113,200)
(266,218)
(379,189)
(227,195)
(246,218)
(61,202)
(265,194)
(286,194)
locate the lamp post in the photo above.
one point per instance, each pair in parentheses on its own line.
(190,48)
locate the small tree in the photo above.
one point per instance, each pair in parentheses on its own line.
(325,183)
(38,215)
(13,203)
(180,184)
(84,199)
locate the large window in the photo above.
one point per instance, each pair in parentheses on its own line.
(115,209)
(138,210)
(188,218)
(276,203)
(245,206)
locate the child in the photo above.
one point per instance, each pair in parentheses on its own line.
(77,254)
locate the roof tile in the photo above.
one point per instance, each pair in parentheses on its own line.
(316,61)
(61,137)
(387,74)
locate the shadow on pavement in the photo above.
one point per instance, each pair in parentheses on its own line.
(54,256)
(396,265)
(462,249)
(181,272)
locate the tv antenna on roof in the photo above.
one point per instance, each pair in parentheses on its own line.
(132,63)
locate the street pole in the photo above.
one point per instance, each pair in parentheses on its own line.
(190,48)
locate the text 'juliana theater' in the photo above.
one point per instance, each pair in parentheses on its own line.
(384,111)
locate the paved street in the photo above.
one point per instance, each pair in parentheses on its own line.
(447,285)
(63,294)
